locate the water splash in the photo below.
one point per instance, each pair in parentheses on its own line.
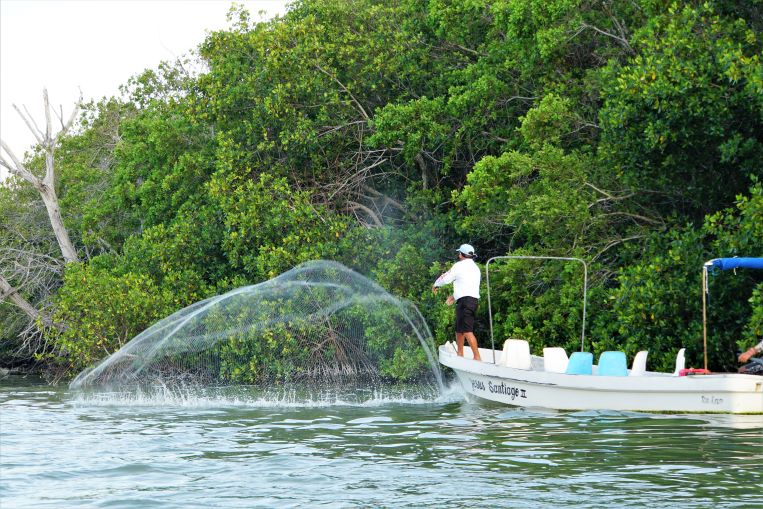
(272,397)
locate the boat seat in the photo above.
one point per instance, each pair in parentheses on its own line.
(451,347)
(580,363)
(503,354)
(612,364)
(639,363)
(555,360)
(516,354)
(680,361)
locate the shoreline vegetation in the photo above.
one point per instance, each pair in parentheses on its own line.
(381,135)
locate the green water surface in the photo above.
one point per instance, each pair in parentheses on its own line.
(59,449)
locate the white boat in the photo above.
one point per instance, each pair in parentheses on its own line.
(514,377)
(647,392)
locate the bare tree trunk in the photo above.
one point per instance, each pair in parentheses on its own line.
(48,194)
(47,185)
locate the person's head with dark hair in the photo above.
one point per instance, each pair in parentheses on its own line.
(467,251)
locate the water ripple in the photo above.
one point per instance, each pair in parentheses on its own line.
(62,450)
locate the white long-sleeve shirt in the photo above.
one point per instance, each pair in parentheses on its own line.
(465,276)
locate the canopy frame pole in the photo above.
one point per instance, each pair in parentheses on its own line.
(521,257)
(489,307)
(705,289)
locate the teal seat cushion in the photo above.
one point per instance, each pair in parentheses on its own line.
(581,363)
(612,364)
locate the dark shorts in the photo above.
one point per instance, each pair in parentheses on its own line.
(466,308)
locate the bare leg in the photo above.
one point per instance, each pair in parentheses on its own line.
(460,343)
(472,339)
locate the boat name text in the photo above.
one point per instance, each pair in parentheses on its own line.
(712,400)
(511,392)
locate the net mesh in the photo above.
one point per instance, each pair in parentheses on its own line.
(319,322)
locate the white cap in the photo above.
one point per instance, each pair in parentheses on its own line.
(466,250)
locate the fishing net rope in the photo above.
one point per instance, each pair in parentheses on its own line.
(317,323)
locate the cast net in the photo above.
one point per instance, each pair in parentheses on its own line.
(319,323)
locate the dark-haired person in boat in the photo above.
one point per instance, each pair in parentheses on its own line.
(755,367)
(465,276)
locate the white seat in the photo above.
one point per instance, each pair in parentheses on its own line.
(680,361)
(516,354)
(451,346)
(555,360)
(639,364)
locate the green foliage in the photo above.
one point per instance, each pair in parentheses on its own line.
(541,302)
(383,134)
(740,232)
(528,199)
(162,162)
(101,312)
(256,356)
(550,122)
(175,257)
(86,169)
(270,227)
(686,110)
(414,123)
(657,303)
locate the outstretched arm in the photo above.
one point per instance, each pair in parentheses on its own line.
(745,356)
(445,279)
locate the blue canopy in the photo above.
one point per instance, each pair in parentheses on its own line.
(733,263)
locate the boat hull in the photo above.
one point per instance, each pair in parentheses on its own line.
(654,392)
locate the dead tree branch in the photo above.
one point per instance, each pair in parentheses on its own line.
(619,38)
(12,294)
(354,206)
(47,185)
(359,106)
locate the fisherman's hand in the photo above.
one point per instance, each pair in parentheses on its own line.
(450,300)
(745,356)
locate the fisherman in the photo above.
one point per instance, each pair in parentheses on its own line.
(755,366)
(465,276)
